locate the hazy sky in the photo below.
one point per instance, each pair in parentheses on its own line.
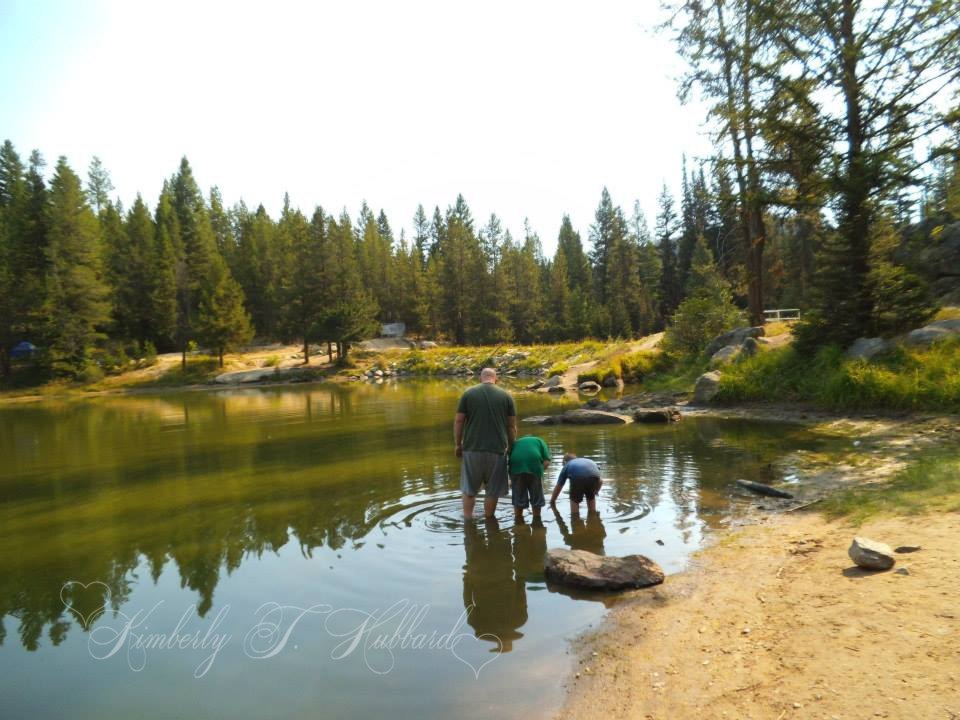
(528,109)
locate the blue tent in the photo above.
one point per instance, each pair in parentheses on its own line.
(22,350)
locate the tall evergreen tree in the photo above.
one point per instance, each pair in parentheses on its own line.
(99,185)
(666,244)
(76,307)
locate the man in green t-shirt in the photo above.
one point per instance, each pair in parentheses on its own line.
(484,429)
(528,459)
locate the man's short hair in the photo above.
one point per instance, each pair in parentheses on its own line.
(488,374)
(567,457)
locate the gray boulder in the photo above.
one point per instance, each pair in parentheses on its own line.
(866,348)
(589,387)
(584,416)
(556,389)
(552,381)
(940,330)
(725,355)
(535,385)
(749,347)
(541,420)
(871,555)
(657,415)
(734,337)
(706,388)
(427,344)
(582,569)
(613,382)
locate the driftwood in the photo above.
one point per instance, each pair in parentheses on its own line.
(761,489)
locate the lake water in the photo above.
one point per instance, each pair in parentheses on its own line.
(299,551)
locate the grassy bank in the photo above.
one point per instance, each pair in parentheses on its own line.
(931,483)
(904,378)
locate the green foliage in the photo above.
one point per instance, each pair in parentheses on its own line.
(905,378)
(708,310)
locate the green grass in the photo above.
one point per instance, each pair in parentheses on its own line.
(438,361)
(200,369)
(930,484)
(901,379)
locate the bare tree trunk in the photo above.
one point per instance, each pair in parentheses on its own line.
(329,351)
(220,354)
(306,351)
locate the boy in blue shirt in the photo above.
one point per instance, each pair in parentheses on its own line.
(585,482)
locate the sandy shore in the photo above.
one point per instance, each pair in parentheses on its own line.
(774,621)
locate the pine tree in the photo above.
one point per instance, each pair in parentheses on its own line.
(222,322)
(708,309)
(669,280)
(76,307)
(302,291)
(168,277)
(13,201)
(601,239)
(99,185)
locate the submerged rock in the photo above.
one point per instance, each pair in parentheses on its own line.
(657,415)
(542,420)
(706,388)
(870,554)
(583,569)
(584,416)
(589,387)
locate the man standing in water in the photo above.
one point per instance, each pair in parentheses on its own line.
(484,429)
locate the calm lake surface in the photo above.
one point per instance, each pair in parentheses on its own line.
(298,552)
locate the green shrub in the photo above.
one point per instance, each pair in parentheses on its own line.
(272,361)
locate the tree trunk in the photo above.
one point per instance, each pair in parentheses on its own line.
(329,351)
(4,362)
(220,354)
(757,237)
(306,351)
(183,357)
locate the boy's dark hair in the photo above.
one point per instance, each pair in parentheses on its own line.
(567,457)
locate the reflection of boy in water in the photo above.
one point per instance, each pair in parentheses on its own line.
(586,534)
(496,604)
(585,482)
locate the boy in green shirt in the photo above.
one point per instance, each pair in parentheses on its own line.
(528,459)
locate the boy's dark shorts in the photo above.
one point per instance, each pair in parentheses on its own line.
(584,488)
(527,490)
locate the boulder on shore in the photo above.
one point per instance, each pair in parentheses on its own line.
(865,348)
(552,381)
(589,387)
(871,555)
(582,569)
(734,337)
(583,416)
(940,330)
(725,355)
(706,388)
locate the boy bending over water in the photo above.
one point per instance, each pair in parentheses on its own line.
(584,477)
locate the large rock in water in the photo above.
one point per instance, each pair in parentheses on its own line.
(657,415)
(706,388)
(871,555)
(583,416)
(589,387)
(583,569)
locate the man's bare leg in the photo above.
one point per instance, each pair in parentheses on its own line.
(536,515)
(518,514)
(574,508)
(490,505)
(468,503)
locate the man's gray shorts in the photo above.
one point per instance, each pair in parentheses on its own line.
(478,468)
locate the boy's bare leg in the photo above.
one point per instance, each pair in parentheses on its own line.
(592,504)
(574,508)
(490,505)
(468,504)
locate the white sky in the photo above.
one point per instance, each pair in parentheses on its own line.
(528,109)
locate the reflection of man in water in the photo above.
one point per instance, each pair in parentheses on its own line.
(583,534)
(495,603)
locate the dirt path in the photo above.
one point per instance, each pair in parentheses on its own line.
(569,379)
(774,622)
